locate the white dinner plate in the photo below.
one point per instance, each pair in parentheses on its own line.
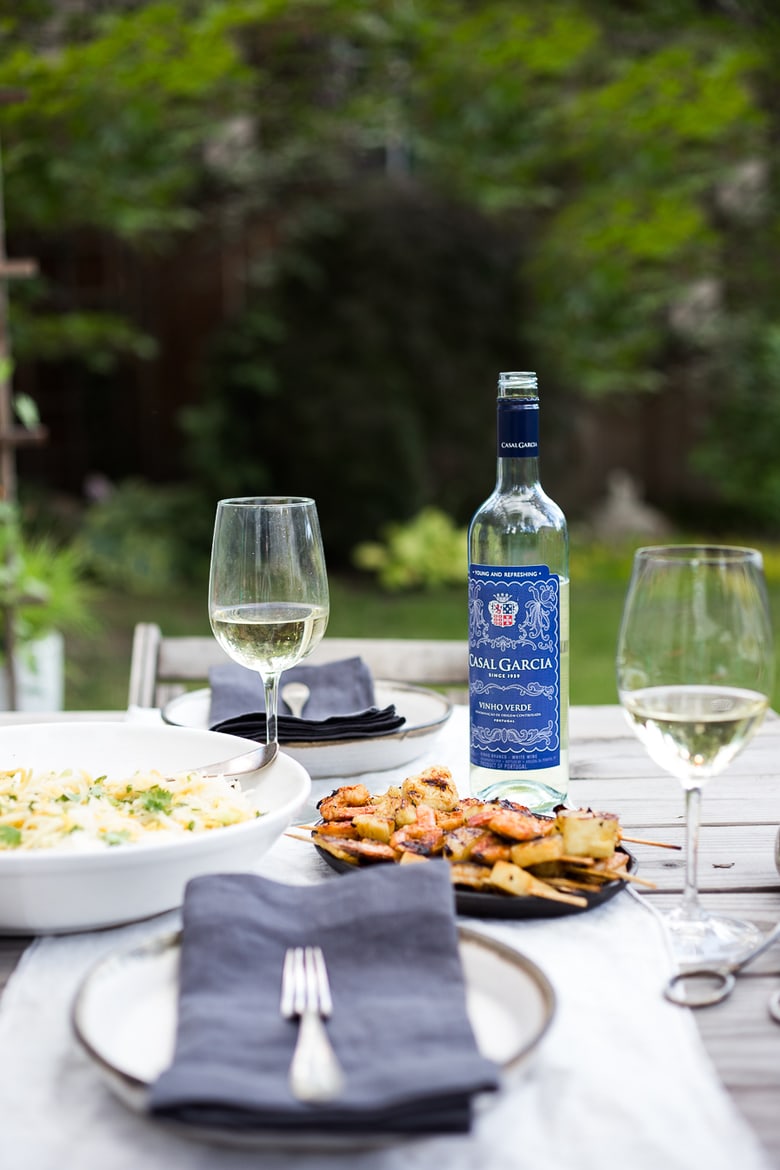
(425,712)
(124,1016)
(58,890)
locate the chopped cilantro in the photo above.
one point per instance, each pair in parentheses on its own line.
(120,838)
(157,799)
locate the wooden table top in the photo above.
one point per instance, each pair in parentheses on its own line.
(737,875)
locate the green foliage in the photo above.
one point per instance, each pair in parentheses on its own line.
(142,538)
(43,584)
(486,116)
(365,375)
(26,411)
(426,553)
(595,137)
(86,146)
(650,143)
(110,138)
(100,340)
(738,449)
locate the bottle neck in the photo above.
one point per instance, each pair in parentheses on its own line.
(517,434)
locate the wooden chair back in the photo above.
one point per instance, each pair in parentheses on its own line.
(163,667)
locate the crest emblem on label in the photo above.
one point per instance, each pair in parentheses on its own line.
(514,667)
(503,610)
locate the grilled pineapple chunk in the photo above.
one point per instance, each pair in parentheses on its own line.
(406,813)
(374,827)
(434,787)
(507,876)
(588,834)
(537,850)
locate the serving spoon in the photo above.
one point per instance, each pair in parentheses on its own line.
(251,761)
(295,695)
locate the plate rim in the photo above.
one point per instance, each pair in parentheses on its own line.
(400,733)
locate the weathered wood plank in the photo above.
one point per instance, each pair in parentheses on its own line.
(627,757)
(758,1105)
(662,803)
(740,858)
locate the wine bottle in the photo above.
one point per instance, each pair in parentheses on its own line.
(519,619)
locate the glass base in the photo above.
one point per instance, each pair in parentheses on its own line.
(707,940)
(539,798)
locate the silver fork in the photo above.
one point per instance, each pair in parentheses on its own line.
(315,1074)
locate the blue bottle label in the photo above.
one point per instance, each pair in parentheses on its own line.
(518,428)
(514,667)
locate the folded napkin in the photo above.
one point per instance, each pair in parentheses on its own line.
(399,1025)
(341,704)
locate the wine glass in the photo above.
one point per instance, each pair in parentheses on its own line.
(694,673)
(268,588)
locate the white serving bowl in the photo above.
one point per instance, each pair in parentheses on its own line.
(53,891)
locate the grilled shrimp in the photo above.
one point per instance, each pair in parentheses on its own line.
(423,835)
(356,851)
(345,802)
(517,825)
(337,829)
(490,848)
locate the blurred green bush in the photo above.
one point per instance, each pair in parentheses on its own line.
(142,538)
(427,553)
(363,369)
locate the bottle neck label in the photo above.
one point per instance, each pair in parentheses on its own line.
(518,428)
(514,667)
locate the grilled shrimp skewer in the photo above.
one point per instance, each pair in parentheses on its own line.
(490,845)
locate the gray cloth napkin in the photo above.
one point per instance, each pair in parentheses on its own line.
(341,704)
(399,1025)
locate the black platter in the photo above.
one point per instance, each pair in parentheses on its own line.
(481,904)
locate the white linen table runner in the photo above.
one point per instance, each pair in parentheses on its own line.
(622,1077)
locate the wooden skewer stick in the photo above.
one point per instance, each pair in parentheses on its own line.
(617,875)
(645,841)
(292,832)
(638,881)
(563,883)
(554,895)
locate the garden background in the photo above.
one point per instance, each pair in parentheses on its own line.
(287,246)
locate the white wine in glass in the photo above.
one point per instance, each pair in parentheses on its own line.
(268,587)
(695,667)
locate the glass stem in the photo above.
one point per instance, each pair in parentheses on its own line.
(690,902)
(271,688)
